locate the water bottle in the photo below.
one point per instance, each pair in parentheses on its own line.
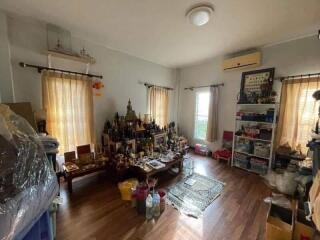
(149,207)
(156,204)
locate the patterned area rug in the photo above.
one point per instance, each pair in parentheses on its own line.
(195,198)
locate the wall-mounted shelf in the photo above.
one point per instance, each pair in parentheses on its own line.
(86,60)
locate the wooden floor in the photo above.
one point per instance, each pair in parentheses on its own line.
(95,211)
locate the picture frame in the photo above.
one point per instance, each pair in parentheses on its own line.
(159,139)
(131,145)
(256,85)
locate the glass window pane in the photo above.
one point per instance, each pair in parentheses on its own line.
(201,115)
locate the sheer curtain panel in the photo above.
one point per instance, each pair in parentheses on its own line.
(68,102)
(298,112)
(158,104)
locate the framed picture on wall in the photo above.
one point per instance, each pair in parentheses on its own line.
(256,86)
(159,139)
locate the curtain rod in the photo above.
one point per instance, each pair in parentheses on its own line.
(149,85)
(212,85)
(297,76)
(40,68)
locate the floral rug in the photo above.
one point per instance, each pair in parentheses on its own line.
(193,194)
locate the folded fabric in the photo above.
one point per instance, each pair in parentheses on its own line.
(50,144)
(222,153)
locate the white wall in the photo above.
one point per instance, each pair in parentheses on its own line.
(290,58)
(6,85)
(121,72)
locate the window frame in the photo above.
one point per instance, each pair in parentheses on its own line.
(195,115)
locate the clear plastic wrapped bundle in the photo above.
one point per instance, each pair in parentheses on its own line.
(28,183)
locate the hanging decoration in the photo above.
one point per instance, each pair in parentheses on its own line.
(97,85)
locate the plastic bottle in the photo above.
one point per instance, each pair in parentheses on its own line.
(149,207)
(156,204)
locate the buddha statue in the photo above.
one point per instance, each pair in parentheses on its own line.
(131,114)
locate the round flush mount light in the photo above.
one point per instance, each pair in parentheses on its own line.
(200,15)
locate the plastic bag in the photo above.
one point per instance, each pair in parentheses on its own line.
(28,183)
(271,178)
(286,182)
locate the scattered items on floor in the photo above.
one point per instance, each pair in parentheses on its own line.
(194,199)
(28,184)
(284,154)
(149,204)
(284,182)
(140,195)
(144,197)
(292,180)
(201,149)
(287,220)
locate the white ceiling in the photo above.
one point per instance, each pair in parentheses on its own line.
(157,30)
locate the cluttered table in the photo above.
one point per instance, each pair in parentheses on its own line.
(150,167)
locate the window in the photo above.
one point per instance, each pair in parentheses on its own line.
(201,115)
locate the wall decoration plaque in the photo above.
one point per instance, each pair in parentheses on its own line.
(256,86)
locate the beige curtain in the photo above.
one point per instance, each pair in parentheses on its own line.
(212,128)
(298,112)
(158,104)
(68,102)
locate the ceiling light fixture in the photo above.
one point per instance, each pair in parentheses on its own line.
(200,14)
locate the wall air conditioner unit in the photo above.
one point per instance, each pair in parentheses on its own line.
(244,61)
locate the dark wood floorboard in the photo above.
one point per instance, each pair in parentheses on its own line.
(95,210)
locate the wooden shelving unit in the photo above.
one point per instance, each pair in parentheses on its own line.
(256,108)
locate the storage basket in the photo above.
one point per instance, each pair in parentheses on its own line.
(259,166)
(240,156)
(261,150)
(201,149)
(241,160)
(241,163)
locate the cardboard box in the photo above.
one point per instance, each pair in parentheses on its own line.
(279,223)
(303,228)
